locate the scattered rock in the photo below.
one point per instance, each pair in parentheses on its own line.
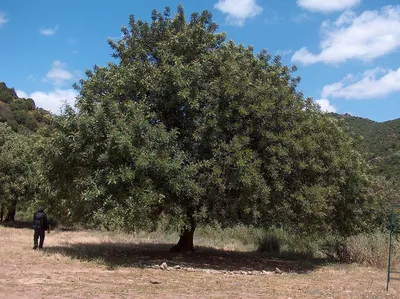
(278,271)
(211,271)
(236,272)
(164,266)
(154,282)
(267,272)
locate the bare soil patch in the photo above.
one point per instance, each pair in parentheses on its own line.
(90,264)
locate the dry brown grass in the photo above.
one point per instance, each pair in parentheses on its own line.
(91,264)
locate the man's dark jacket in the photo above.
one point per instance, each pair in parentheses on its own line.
(40,220)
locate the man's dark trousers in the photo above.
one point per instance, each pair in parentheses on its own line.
(39,234)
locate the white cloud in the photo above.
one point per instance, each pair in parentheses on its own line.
(284,52)
(3,19)
(58,74)
(325,105)
(48,31)
(238,10)
(365,37)
(22,94)
(373,83)
(345,18)
(51,100)
(327,5)
(301,18)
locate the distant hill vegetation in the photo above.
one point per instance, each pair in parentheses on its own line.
(19,113)
(380,141)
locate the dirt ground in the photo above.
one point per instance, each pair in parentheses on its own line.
(97,265)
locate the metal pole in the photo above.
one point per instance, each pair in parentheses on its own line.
(390,250)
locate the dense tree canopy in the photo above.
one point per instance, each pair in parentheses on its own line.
(19,120)
(200,129)
(111,167)
(16,170)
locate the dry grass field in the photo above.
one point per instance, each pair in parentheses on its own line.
(91,264)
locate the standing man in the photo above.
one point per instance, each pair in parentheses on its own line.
(40,225)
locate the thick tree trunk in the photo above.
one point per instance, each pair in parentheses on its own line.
(185,243)
(11,212)
(1,212)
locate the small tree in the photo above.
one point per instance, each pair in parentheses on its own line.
(203,130)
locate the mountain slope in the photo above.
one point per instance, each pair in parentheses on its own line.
(19,113)
(379,141)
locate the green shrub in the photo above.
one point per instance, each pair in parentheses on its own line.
(368,249)
(290,245)
(239,237)
(270,244)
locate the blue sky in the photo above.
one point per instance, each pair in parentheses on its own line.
(347,51)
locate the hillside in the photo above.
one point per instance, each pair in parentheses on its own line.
(19,113)
(379,141)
